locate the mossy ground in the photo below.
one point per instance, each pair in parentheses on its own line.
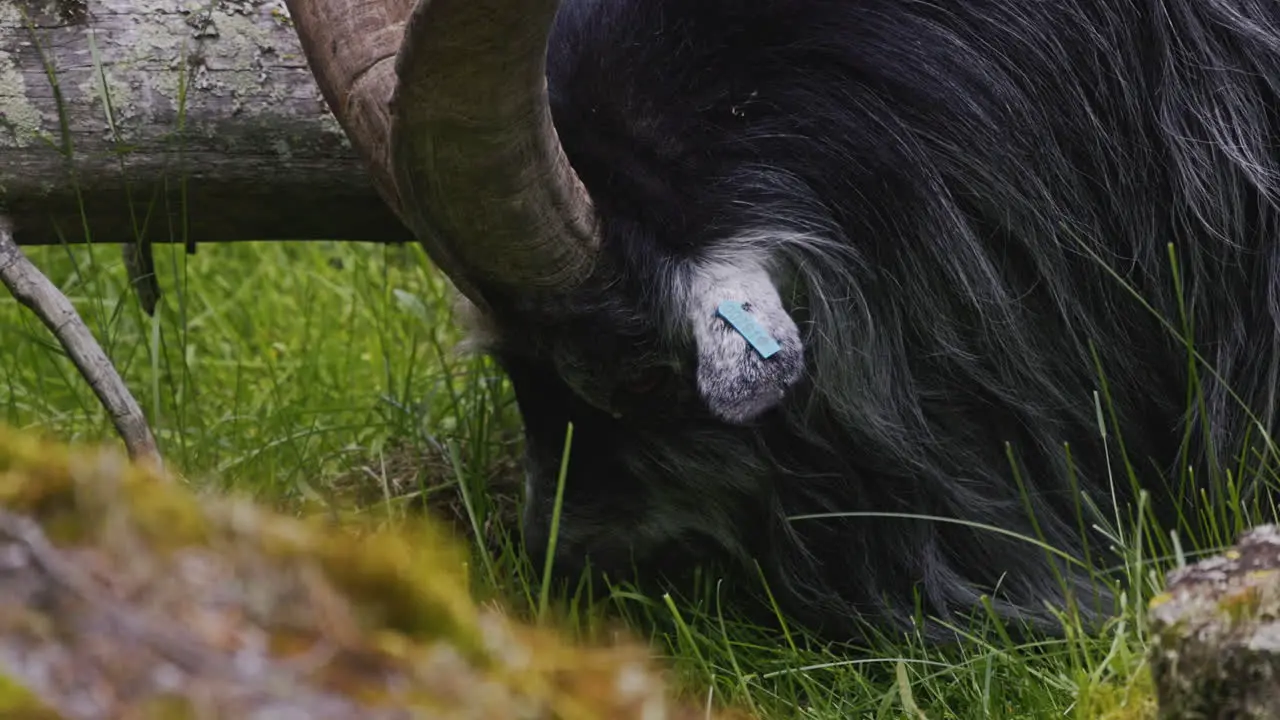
(319,378)
(331,617)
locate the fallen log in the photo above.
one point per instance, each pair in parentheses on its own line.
(136,122)
(157,121)
(1215,632)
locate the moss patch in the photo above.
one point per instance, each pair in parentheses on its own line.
(1134,700)
(130,594)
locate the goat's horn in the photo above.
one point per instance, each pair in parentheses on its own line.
(475,154)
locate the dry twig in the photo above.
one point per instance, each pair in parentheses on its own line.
(33,289)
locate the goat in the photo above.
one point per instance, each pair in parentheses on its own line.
(879,258)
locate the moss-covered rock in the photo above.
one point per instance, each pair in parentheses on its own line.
(1216,634)
(125,594)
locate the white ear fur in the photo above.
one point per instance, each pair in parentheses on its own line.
(735,380)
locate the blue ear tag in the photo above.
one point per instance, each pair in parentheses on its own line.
(747,327)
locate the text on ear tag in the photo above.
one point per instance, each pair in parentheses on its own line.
(746,325)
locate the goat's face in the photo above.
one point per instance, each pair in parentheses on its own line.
(622,300)
(941,217)
(666,398)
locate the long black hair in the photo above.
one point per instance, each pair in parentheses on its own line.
(992,222)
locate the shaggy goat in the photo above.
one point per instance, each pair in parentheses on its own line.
(947,216)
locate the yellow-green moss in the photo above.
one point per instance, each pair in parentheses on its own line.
(16,701)
(414,578)
(1135,699)
(1242,604)
(394,603)
(167,707)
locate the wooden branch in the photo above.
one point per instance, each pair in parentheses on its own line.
(1216,634)
(34,290)
(172,121)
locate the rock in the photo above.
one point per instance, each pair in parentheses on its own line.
(1216,634)
(124,594)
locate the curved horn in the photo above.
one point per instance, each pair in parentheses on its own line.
(475,155)
(351,48)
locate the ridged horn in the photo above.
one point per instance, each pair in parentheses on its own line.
(474,152)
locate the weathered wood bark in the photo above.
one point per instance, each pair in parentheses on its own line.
(1216,634)
(112,105)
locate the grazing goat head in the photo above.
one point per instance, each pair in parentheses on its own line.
(875,263)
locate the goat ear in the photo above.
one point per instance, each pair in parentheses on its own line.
(749,349)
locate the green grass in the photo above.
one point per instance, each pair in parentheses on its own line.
(322,375)
(315,375)
(319,375)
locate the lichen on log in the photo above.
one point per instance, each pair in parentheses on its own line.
(1216,634)
(125,594)
(172,121)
